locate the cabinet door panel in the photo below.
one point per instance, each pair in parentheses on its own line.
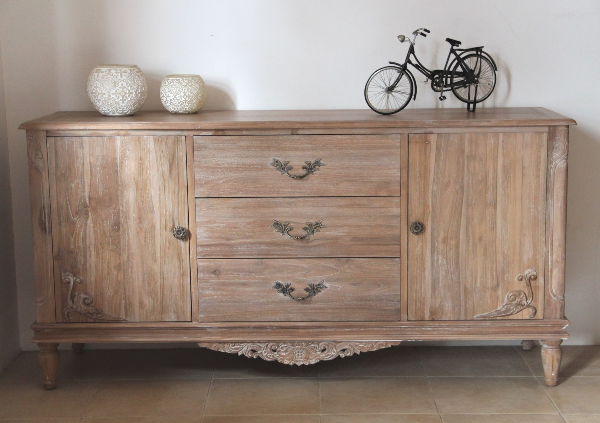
(482,199)
(115,203)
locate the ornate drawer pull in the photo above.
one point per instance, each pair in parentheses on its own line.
(285,228)
(284,168)
(287,289)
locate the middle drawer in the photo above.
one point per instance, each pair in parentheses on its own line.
(322,227)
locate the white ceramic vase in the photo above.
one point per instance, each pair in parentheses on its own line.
(117,90)
(183,93)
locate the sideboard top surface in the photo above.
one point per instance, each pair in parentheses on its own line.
(301,119)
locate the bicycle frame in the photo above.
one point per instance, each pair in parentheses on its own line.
(468,76)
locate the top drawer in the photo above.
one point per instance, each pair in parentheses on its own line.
(272,166)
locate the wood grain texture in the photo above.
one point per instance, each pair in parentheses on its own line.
(353,165)
(116,202)
(551,358)
(49,359)
(482,200)
(404,227)
(556,225)
(301,331)
(189,142)
(242,227)
(41,224)
(289,131)
(302,119)
(356,290)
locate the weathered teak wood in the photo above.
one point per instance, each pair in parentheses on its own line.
(354,290)
(490,186)
(300,331)
(353,227)
(404,227)
(49,359)
(556,221)
(116,201)
(551,357)
(302,119)
(189,142)
(352,165)
(41,224)
(482,200)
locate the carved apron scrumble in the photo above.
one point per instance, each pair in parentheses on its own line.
(299,236)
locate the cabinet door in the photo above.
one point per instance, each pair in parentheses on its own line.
(482,200)
(115,203)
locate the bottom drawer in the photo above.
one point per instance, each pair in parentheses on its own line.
(245,290)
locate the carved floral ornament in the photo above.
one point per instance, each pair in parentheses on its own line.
(298,353)
(516,301)
(81,303)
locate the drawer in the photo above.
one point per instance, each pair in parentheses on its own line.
(351,290)
(244,227)
(244,166)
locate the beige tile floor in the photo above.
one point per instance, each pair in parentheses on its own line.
(399,385)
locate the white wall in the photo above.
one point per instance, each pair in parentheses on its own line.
(310,54)
(9,333)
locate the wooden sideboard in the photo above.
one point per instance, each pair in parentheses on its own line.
(299,236)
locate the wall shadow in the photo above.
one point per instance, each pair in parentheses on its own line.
(219,97)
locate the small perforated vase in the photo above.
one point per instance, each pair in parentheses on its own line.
(183,93)
(117,90)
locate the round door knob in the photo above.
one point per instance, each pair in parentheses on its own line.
(417,228)
(180,232)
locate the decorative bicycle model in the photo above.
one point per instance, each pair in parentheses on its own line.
(471,76)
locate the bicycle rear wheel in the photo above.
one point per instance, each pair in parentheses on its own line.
(379,94)
(479,89)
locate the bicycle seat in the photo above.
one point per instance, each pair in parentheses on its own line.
(453,43)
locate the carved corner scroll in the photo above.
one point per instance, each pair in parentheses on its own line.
(516,301)
(299,353)
(82,303)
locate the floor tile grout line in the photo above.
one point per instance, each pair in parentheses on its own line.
(212,378)
(319,395)
(89,405)
(429,388)
(542,386)
(525,361)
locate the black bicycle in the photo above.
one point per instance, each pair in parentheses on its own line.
(471,75)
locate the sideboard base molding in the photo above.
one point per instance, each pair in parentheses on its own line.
(301,332)
(298,353)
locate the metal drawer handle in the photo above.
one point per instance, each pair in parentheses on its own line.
(284,168)
(287,289)
(180,233)
(417,228)
(284,228)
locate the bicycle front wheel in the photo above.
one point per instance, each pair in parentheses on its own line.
(388,90)
(479,85)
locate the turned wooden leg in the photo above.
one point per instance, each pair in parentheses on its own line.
(551,355)
(527,345)
(49,358)
(77,348)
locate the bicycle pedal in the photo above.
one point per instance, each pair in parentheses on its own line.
(442,97)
